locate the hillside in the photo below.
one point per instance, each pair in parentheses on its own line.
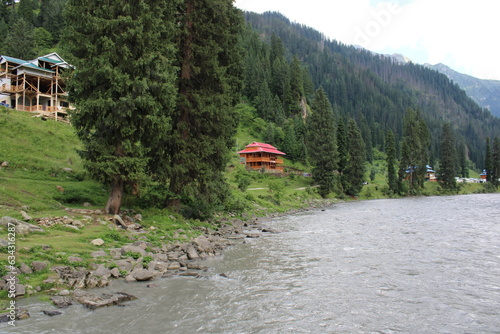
(373,89)
(485,92)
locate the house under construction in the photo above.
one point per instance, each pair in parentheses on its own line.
(34,85)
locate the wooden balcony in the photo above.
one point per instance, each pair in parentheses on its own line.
(265,159)
(42,108)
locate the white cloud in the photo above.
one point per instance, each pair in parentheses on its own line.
(460,34)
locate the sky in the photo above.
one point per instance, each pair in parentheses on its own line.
(462,34)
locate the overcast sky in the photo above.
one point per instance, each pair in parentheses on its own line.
(462,34)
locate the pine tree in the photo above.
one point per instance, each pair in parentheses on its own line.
(343,152)
(20,41)
(357,156)
(122,86)
(321,140)
(447,168)
(390,148)
(414,152)
(204,121)
(488,161)
(495,173)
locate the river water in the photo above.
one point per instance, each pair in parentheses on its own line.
(415,265)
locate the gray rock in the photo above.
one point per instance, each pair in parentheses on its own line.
(101,271)
(25,269)
(203,245)
(38,265)
(133,249)
(97,242)
(144,274)
(87,204)
(130,279)
(4,164)
(25,215)
(21,227)
(61,301)
(51,313)
(73,259)
(4,243)
(160,257)
(192,253)
(94,301)
(20,290)
(115,272)
(116,253)
(98,253)
(174,265)
(64,292)
(161,267)
(124,265)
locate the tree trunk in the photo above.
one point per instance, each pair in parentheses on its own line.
(115,197)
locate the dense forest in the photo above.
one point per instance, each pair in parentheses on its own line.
(163,84)
(293,60)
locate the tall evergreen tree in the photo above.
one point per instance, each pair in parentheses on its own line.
(357,156)
(447,168)
(488,160)
(462,159)
(209,83)
(390,149)
(123,86)
(414,152)
(20,41)
(322,142)
(495,173)
(51,17)
(343,153)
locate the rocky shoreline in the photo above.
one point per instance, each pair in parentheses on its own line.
(136,261)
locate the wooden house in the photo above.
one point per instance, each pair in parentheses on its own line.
(261,156)
(34,85)
(430,174)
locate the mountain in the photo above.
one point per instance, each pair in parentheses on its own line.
(375,90)
(485,92)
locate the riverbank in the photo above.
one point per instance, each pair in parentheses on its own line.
(129,252)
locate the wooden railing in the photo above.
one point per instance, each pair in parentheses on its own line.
(265,159)
(39,107)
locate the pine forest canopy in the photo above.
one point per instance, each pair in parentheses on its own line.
(373,89)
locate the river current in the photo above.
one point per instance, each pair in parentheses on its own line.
(413,265)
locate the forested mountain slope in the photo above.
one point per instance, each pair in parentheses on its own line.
(373,89)
(484,92)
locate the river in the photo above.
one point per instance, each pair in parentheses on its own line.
(413,265)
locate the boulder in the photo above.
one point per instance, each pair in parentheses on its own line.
(98,253)
(64,292)
(73,259)
(143,274)
(133,249)
(25,215)
(204,245)
(38,265)
(101,271)
(21,227)
(4,164)
(124,265)
(174,266)
(130,279)
(116,253)
(192,253)
(94,301)
(51,313)
(20,290)
(97,242)
(115,272)
(25,269)
(61,301)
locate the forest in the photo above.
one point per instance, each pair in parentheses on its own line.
(162,86)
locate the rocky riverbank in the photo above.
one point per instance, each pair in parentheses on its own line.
(140,260)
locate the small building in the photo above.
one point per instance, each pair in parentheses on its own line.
(34,85)
(483,176)
(430,174)
(261,156)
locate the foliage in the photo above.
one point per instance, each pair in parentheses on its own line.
(204,120)
(390,148)
(414,156)
(123,85)
(447,163)
(354,173)
(322,143)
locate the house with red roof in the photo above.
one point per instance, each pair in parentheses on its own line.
(261,156)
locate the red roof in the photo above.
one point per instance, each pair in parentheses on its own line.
(256,147)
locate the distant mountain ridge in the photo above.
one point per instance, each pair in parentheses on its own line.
(485,92)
